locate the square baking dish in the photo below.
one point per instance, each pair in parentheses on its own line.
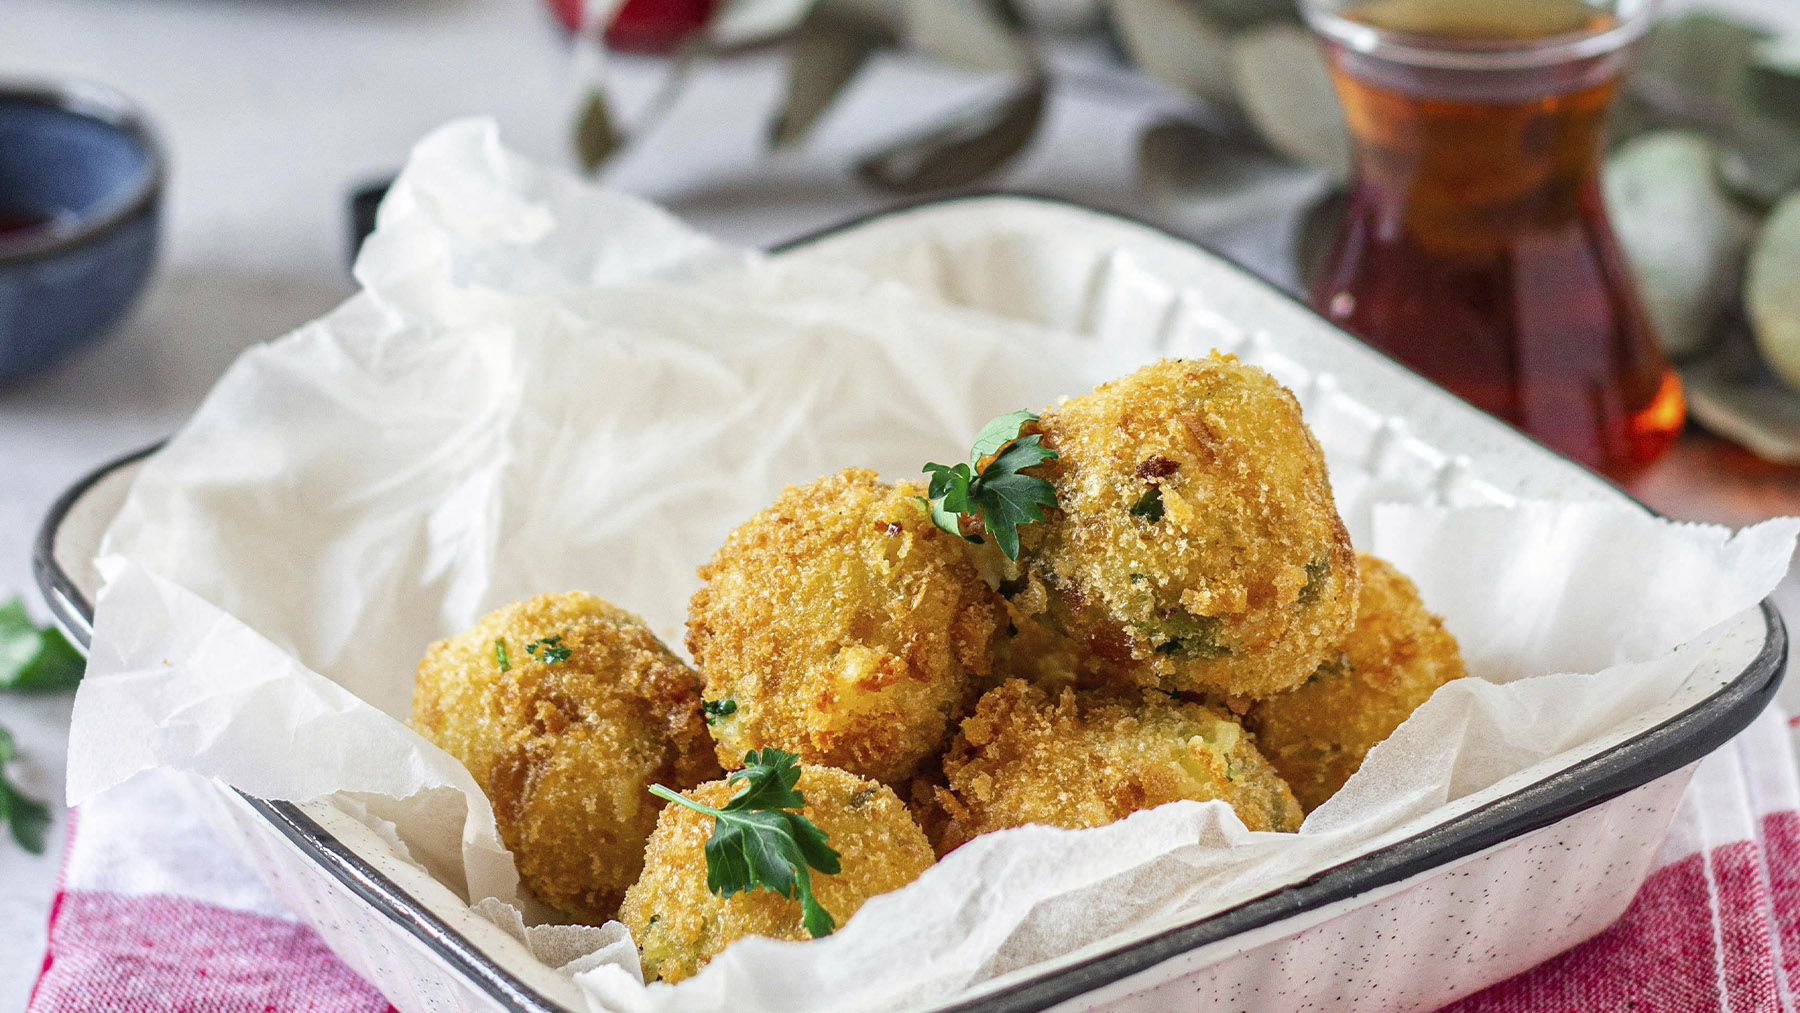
(1483,888)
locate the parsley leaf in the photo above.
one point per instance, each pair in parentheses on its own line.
(1149,506)
(33,658)
(760,841)
(716,709)
(998,496)
(28,817)
(501,656)
(549,650)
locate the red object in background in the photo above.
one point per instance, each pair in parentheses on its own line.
(643,26)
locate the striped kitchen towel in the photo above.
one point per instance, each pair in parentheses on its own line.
(155,915)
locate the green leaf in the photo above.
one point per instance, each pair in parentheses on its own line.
(717,710)
(972,145)
(760,842)
(1286,92)
(828,50)
(998,496)
(978,34)
(501,657)
(28,818)
(998,433)
(596,138)
(32,658)
(1149,506)
(1177,43)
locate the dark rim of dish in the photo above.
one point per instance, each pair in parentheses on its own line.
(96,102)
(1662,750)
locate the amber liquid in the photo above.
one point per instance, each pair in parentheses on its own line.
(1475,247)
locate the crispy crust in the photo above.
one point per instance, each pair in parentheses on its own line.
(566,751)
(1195,538)
(1084,758)
(843,627)
(1396,657)
(679,925)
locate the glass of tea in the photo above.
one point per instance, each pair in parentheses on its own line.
(1475,246)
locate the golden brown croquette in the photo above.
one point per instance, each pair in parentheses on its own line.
(1398,654)
(679,924)
(565,709)
(1195,536)
(1084,758)
(841,626)
(1034,652)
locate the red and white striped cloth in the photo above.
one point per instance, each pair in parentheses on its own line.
(154,915)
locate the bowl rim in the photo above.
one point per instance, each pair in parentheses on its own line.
(106,105)
(1679,740)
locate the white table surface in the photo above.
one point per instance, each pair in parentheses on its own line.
(273,110)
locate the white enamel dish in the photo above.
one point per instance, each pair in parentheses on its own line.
(1486,887)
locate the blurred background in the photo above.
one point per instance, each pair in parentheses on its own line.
(766,120)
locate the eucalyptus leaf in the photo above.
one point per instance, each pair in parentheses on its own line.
(596,138)
(1175,42)
(749,22)
(828,50)
(978,34)
(1238,15)
(1286,92)
(1200,178)
(1772,291)
(970,146)
(1732,392)
(1759,161)
(1774,79)
(1684,237)
(1697,65)
(1181,158)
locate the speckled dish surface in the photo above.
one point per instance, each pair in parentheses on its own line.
(1482,889)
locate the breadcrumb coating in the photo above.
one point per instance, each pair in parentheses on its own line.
(841,626)
(1084,758)
(1034,652)
(566,749)
(679,924)
(1398,654)
(1195,537)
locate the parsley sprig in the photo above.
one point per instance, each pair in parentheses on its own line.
(998,497)
(33,658)
(28,817)
(760,840)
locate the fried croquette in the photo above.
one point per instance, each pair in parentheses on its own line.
(1034,652)
(1084,758)
(565,709)
(679,924)
(1393,660)
(1195,536)
(841,626)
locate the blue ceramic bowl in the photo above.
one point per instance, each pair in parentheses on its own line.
(80,183)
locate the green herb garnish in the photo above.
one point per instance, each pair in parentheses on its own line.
(760,840)
(33,658)
(549,650)
(501,657)
(1149,506)
(28,817)
(997,496)
(716,709)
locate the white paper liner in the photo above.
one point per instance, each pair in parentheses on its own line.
(545,386)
